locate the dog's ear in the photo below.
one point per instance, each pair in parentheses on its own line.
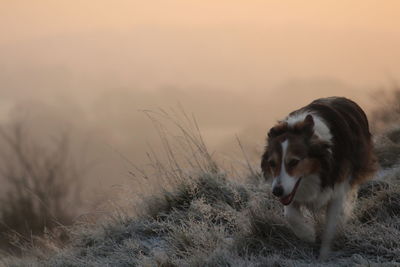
(308,125)
(278,129)
(264,165)
(309,121)
(264,159)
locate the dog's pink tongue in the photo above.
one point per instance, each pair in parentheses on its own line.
(286,200)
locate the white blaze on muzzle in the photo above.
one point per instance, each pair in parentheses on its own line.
(287,182)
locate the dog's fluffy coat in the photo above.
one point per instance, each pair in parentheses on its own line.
(317,156)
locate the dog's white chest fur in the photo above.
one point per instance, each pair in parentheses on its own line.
(310,195)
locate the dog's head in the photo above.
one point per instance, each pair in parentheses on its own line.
(292,153)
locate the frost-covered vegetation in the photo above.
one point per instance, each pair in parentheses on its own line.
(206,218)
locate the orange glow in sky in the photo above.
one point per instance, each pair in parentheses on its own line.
(90,65)
(231,45)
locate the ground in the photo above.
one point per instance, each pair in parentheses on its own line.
(211,220)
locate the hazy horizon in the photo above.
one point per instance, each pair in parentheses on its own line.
(90,67)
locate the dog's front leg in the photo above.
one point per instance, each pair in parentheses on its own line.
(333,217)
(297,223)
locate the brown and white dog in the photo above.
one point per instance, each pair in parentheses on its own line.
(317,157)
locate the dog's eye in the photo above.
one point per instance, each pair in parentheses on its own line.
(293,162)
(272,163)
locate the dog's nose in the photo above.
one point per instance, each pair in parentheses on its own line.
(277,191)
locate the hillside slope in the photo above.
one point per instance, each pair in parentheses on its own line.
(210,220)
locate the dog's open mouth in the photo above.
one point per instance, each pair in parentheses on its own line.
(288,199)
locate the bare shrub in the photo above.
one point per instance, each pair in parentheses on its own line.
(386,113)
(41,187)
(385,121)
(386,150)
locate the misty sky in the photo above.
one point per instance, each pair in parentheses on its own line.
(90,66)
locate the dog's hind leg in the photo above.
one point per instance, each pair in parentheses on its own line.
(298,224)
(349,203)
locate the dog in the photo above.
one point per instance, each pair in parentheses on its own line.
(317,157)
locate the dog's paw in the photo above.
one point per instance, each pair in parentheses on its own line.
(324,253)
